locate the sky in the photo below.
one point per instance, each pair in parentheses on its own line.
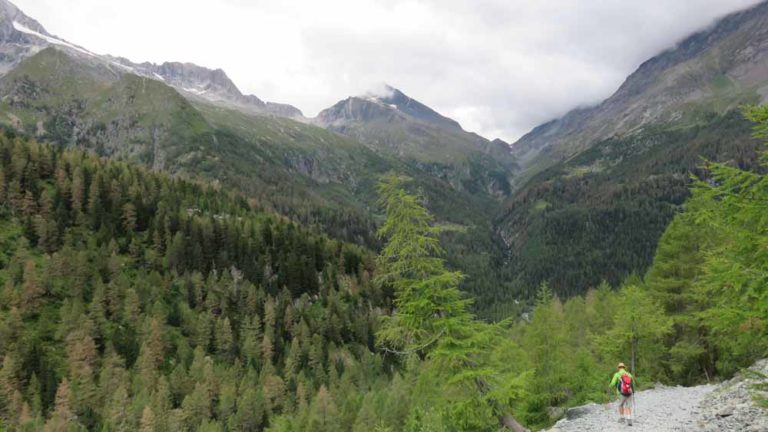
(499,67)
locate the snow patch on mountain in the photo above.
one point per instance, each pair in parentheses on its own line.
(194,91)
(24,29)
(122,66)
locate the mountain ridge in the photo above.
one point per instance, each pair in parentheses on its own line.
(623,113)
(598,186)
(22,37)
(392,123)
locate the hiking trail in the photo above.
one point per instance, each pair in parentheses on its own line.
(728,406)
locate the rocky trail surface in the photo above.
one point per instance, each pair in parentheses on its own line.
(731,406)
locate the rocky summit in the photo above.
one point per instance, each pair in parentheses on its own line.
(392,123)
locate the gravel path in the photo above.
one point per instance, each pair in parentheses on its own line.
(726,407)
(663,409)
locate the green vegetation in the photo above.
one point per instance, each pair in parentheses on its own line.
(698,314)
(599,215)
(315,177)
(135,301)
(132,300)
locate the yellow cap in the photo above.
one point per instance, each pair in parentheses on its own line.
(622,366)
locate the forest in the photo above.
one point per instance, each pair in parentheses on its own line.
(133,300)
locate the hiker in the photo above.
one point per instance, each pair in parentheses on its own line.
(624,383)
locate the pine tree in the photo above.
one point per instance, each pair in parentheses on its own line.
(147,420)
(250,411)
(63,419)
(432,318)
(32,290)
(323,412)
(116,413)
(10,383)
(225,342)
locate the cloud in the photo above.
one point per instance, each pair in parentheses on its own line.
(500,67)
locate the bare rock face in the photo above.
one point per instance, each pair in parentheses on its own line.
(200,80)
(284,110)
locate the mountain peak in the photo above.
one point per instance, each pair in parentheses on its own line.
(396,99)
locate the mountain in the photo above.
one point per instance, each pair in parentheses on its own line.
(78,103)
(194,123)
(210,85)
(599,185)
(395,124)
(22,37)
(715,70)
(15,45)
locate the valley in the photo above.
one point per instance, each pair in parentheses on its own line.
(176,254)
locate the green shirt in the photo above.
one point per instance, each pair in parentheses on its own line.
(617,377)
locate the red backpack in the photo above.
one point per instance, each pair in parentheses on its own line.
(625,385)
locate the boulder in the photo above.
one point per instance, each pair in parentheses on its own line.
(581,411)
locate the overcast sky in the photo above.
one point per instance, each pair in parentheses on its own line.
(500,67)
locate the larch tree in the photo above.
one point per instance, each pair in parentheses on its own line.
(432,320)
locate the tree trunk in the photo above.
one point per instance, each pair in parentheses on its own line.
(508,422)
(634,348)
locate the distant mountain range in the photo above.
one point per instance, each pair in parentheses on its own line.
(193,121)
(394,124)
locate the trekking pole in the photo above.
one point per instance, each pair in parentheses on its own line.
(634,405)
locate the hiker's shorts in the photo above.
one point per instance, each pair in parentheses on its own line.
(625,400)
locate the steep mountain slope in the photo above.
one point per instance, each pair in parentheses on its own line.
(14,44)
(22,37)
(715,70)
(78,103)
(312,175)
(395,124)
(210,85)
(146,293)
(600,184)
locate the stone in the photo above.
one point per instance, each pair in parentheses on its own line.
(581,411)
(556,413)
(725,412)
